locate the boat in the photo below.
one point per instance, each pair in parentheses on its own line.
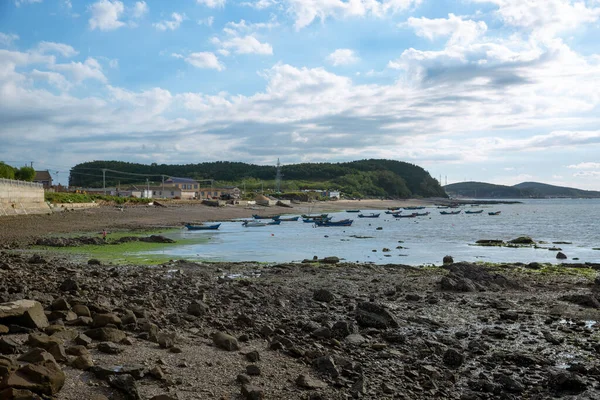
(287,219)
(424,214)
(252,224)
(414,208)
(312,220)
(450,212)
(191,227)
(353,211)
(473,212)
(256,216)
(405,215)
(393,211)
(494,213)
(342,222)
(308,216)
(372,215)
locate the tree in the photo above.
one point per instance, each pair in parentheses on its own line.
(25,174)
(6,171)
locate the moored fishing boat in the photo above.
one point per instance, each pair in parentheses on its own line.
(309,216)
(287,219)
(312,220)
(202,227)
(395,211)
(342,222)
(404,215)
(423,214)
(450,212)
(252,224)
(473,212)
(256,216)
(352,211)
(494,213)
(414,208)
(372,215)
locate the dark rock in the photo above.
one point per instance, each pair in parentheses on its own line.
(225,341)
(448,260)
(330,260)
(8,346)
(83,362)
(18,394)
(307,382)
(509,383)
(327,366)
(69,285)
(106,334)
(453,358)
(323,295)
(253,370)
(243,379)
(83,340)
(127,384)
(584,300)
(43,378)
(522,240)
(109,348)
(102,320)
(81,310)
(251,392)
(197,308)
(167,340)
(561,256)
(565,381)
(36,355)
(253,356)
(375,315)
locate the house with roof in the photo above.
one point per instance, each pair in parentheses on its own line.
(44,178)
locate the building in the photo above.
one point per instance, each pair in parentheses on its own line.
(189,188)
(44,178)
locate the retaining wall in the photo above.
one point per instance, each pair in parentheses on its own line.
(20,198)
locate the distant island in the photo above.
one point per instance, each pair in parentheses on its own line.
(373,178)
(519,191)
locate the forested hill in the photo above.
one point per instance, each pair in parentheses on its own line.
(521,190)
(380,178)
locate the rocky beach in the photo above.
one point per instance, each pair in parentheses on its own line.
(315,330)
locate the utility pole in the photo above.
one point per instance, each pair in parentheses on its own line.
(104,180)
(147,188)
(278,178)
(162,190)
(31,164)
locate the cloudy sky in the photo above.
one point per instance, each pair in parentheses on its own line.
(501,91)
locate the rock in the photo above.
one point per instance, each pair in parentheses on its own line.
(584,300)
(561,256)
(522,240)
(373,315)
(8,346)
(94,261)
(36,355)
(106,334)
(448,260)
(330,260)
(81,310)
(326,365)
(243,379)
(253,370)
(453,358)
(251,392)
(163,397)
(356,339)
(83,340)
(253,356)
(51,344)
(104,371)
(306,382)
(18,394)
(323,295)
(509,383)
(225,341)
(27,313)
(101,320)
(412,297)
(167,340)
(568,382)
(550,338)
(157,373)
(109,348)
(3,329)
(127,384)
(61,304)
(69,285)
(197,308)
(77,350)
(82,362)
(43,378)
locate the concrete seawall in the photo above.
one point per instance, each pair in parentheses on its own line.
(21,198)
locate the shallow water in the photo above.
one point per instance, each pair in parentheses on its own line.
(424,240)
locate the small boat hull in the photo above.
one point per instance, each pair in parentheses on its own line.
(369,216)
(191,227)
(450,212)
(344,222)
(494,213)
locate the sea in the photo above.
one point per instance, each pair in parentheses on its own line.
(423,240)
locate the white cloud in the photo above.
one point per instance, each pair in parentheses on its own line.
(212,3)
(342,57)
(260,4)
(51,47)
(546,18)
(106,14)
(208,21)
(155,100)
(306,11)
(90,69)
(174,23)
(585,165)
(19,2)
(53,78)
(245,45)
(6,39)
(140,9)
(460,31)
(203,59)
(114,63)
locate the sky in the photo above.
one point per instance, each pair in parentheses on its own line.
(499,91)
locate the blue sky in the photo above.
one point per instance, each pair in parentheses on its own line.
(501,91)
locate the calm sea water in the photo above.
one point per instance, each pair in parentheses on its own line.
(423,240)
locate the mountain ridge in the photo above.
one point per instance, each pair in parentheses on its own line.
(521,190)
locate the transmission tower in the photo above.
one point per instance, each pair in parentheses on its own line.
(278,177)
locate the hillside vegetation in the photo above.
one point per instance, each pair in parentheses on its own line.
(521,190)
(364,178)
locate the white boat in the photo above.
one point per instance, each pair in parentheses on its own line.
(253,223)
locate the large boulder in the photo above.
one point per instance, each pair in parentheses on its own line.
(27,313)
(225,341)
(44,378)
(373,315)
